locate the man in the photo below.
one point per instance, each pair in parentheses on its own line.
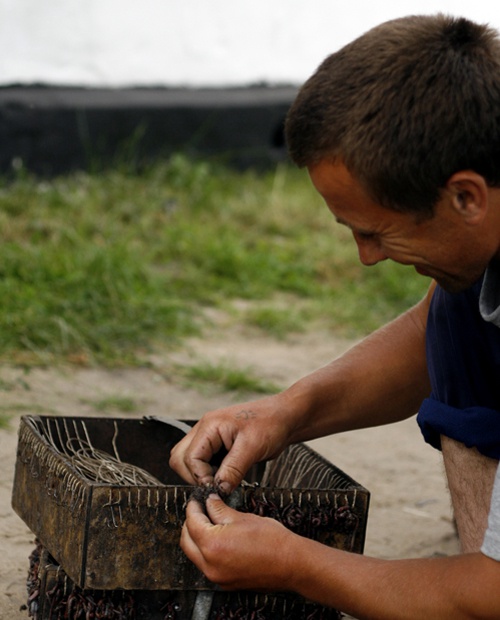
(400,133)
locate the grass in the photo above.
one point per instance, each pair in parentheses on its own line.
(124,404)
(8,412)
(227,378)
(100,268)
(278,321)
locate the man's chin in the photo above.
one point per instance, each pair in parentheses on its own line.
(455,285)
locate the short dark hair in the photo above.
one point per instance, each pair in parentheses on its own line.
(404,107)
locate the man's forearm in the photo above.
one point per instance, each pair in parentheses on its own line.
(243,551)
(454,588)
(381,380)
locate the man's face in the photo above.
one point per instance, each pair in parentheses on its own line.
(443,247)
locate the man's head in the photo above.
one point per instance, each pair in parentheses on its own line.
(405,107)
(453,247)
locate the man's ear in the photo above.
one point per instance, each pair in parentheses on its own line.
(469,195)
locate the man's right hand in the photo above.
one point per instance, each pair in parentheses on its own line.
(250,433)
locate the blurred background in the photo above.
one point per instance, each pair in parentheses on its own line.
(145,185)
(193,43)
(80,80)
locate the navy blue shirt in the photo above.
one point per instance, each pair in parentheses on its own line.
(463,360)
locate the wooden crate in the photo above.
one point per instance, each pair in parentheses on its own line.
(110,536)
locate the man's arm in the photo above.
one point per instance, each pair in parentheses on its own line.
(381,380)
(244,551)
(452,588)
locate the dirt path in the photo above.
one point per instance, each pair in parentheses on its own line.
(409,513)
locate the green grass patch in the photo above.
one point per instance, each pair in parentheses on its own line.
(278,321)
(123,404)
(99,268)
(7,385)
(7,412)
(226,377)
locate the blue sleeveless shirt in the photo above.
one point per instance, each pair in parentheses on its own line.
(463,360)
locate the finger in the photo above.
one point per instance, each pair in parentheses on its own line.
(190,458)
(189,546)
(176,461)
(195,524)
(196,517)
(234,467)
(218,512)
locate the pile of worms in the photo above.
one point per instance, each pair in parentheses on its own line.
(74,603)
(33,581)
(241,613)
(306,519)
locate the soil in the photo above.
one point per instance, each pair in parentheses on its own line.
(409,513)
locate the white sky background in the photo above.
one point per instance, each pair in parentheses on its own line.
(217,43)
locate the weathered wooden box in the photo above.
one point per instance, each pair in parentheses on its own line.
(122,535)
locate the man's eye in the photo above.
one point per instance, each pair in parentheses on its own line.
(366,235)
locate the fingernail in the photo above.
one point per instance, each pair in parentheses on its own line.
(224,487)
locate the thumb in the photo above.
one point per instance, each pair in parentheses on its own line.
(233,468)
(218,512)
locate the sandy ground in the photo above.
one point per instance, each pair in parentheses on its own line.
(409,514)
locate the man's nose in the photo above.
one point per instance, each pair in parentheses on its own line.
(369,250)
